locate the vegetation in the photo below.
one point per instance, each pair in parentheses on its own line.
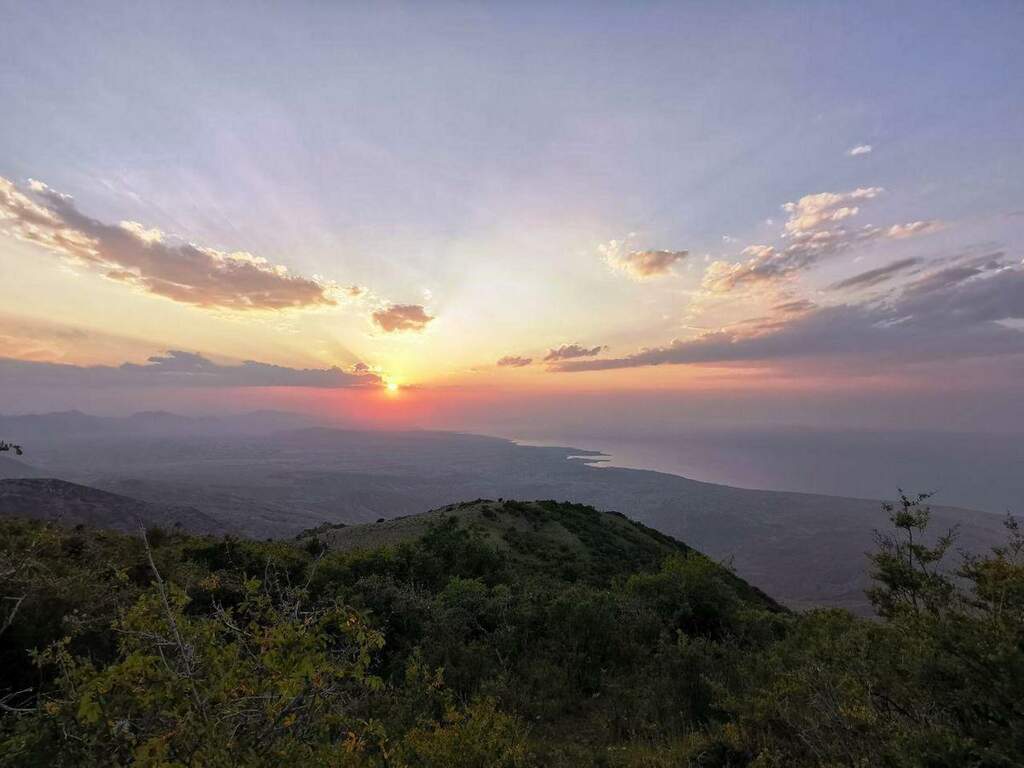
(500,634)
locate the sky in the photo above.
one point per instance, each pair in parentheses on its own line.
(498,214)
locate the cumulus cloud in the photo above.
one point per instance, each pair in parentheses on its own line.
(860,149)
(873,277)
(812,214)
(955,313)
(639,265)
(570,351)
(178,368)
(514,361)
(402,317)
(145,259)
(817,226)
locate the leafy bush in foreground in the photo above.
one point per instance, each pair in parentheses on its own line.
(174,650)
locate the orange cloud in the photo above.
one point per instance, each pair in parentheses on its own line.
(130,253)
(402,317)
(639,265)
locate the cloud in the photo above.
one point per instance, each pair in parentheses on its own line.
(569,351)
(955,313)
(860,149)
(177,368)
(800,305)
(913,228)
(402,317)
(639,265)
(813,214)
(763,264)
(818,225)
(944,279)
(874,277)
(514,361)
(144,258)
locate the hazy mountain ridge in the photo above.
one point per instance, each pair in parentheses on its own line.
(75,423)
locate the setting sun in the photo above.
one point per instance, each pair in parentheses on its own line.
(392,387)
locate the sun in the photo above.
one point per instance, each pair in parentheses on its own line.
(392,387)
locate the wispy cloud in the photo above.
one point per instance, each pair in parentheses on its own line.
(514,361)
(860,149)
(873,277)
(146,259)
(798,305)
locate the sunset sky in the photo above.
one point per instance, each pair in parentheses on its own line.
(761,211)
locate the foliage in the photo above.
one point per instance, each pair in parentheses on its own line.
(498,644)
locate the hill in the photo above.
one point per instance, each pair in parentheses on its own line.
(71,504)
(561,540)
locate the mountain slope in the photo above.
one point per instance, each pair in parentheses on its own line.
(73,504)
(13,468)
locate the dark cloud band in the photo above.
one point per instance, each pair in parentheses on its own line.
(954,313)
(180,369)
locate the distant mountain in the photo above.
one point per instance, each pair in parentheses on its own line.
(70,425)
(59,423)
(73,504)
(162,420)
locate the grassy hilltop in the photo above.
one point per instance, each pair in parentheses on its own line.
(572,542)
